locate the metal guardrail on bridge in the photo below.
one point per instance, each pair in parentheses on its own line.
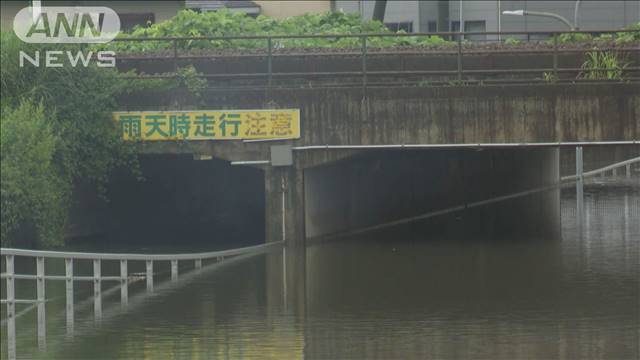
(457,75)
(97,278)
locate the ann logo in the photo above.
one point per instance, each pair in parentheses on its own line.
(77,27)
(61,24)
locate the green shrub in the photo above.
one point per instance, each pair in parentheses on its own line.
(75,106)
(550,77)
(512,41)
(77,103)
(604,37)
(33,190)
(571,38)
(225,23)
(628,37)
(597,60)
(623,37)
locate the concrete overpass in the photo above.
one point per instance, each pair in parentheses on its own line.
(344,177)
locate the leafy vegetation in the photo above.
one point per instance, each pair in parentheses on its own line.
(512,41)
(619,37)
(188,23)
(56,129)
(33,188)
(623,38)
(550,77)
(598,60)
(571,38)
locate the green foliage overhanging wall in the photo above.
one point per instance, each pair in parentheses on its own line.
(56,129)
(34,189)
(225,23)
(188,23)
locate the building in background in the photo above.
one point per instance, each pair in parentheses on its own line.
(283,9)
(430,16)
(248,7)
(275,9)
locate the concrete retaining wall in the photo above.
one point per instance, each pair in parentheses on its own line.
(423,115)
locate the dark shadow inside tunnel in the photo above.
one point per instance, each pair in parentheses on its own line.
(183,204)
(386,187)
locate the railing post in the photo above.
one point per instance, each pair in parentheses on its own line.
(459,57)
(97,290)
(175,56)
(269,62)
(42,336)
(68,270)
(579,186)
(174,270)
(628,171)
(364,66)
(149,275)
(555,55)
(198,264)
(614,172)
(124,285)
(11,309)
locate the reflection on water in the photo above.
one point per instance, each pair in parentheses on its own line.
(402,297)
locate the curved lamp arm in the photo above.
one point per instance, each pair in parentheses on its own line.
(539,13)
(575,15)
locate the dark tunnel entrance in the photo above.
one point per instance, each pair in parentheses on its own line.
(186,204)
(388,186)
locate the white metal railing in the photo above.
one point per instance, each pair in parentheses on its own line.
(97,278)
(601,171)
(460,145)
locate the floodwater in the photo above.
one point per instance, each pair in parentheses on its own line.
(577,297)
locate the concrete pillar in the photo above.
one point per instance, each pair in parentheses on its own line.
(284,203)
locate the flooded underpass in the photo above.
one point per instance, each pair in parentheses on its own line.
(177,203)
(396,293)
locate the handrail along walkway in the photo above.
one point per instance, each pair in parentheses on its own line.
(97,278)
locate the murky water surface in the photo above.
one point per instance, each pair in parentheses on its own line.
(407,297)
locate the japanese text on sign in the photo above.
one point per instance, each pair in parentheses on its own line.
(209,125)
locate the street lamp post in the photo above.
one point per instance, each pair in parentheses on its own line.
(573,26)
(575,15)
(540,13)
